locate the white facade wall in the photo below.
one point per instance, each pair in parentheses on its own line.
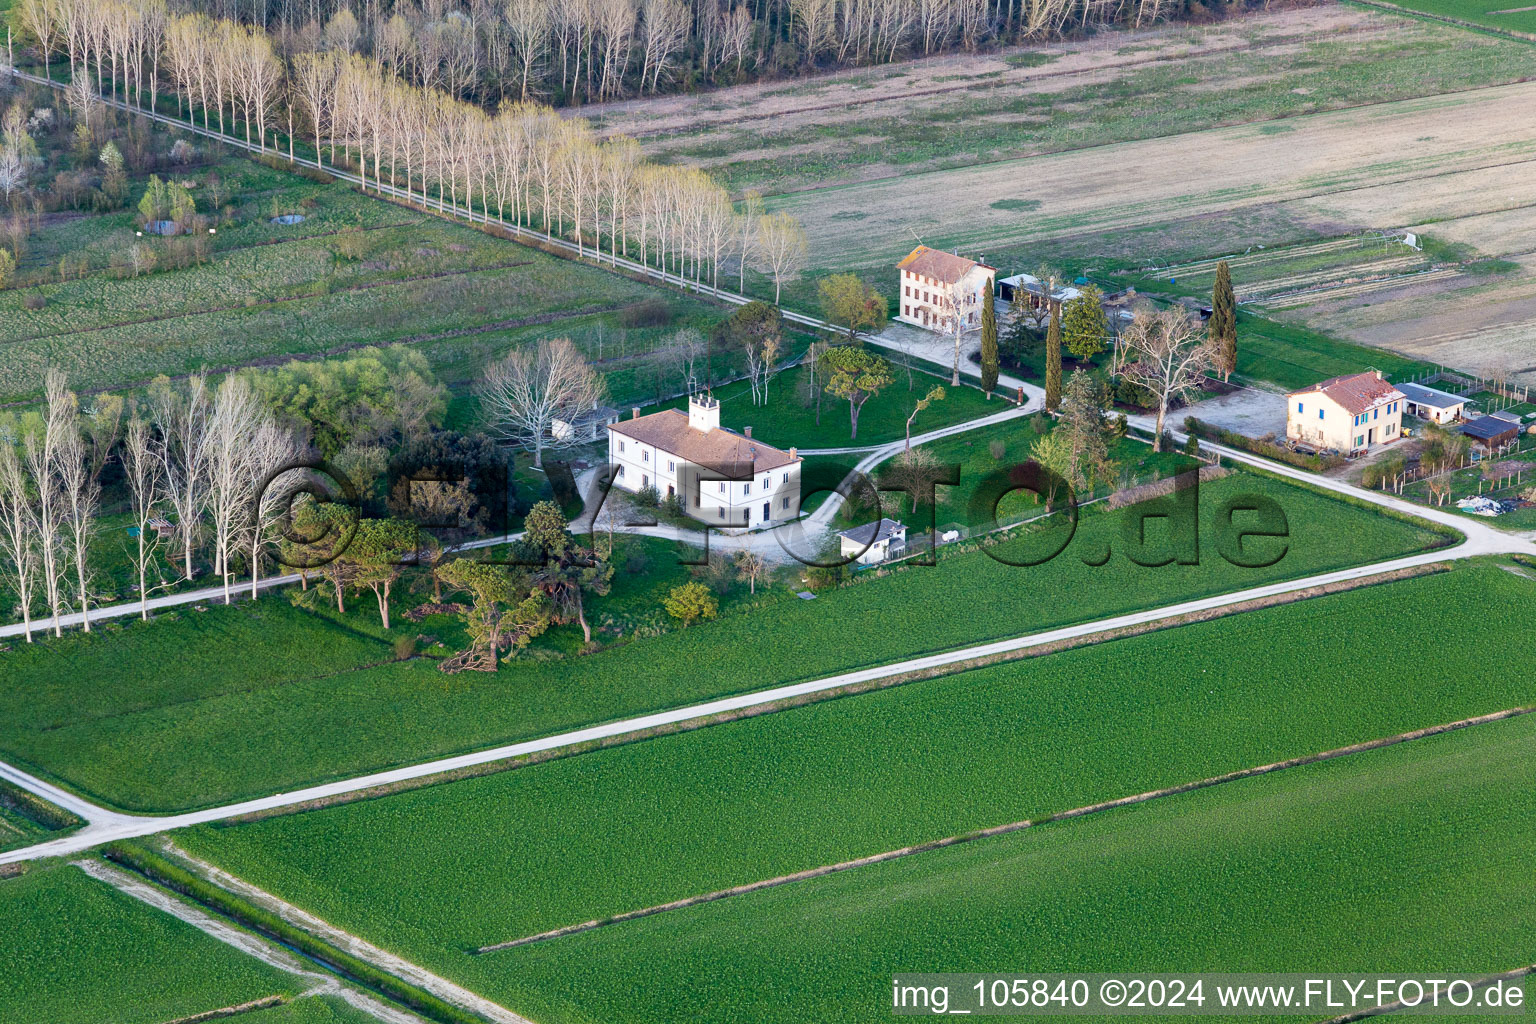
(1314,418)
(928,303)
(877,552)
(734,503)
(1433,413)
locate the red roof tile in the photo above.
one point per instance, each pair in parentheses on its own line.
(1356,392)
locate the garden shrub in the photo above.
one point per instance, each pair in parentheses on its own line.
(1268,449)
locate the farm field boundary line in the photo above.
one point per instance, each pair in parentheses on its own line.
(495,767)
(266,303)
(107,825)
(1013,826)
(225,1012)
(345,941)
(1446,19)
(204,920)
(1397,1005)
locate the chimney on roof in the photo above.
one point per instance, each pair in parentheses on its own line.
(747,430)
(634,412)
(793,453)
(703,412)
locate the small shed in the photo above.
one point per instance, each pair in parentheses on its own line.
(1508,417)
(586,425)
(162,527)
(1491,432)
(1029,288)
(875,542)
(1431,404)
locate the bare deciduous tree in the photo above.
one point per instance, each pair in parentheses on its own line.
(144,471)
(524,393)
(1172,355)
(19,534)
(181,416)
(781,248)
(232,426)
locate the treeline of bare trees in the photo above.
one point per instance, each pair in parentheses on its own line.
(205,472)
(582,50)
(524,164)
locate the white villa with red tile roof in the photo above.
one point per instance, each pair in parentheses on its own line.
(937,286)
(1350,413)
(723,478)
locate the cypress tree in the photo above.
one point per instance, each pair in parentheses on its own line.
(1053,360)
(1224,321)
(988,345)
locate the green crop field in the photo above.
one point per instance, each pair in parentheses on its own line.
(199,731)
(1496,14)
(1399,860)
(77,950)
(634,826)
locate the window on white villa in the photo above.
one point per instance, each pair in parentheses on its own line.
(621,471)
(746,488)
(786,503)
(722,488)
(786,478)
(722,513)
(621,446)
(671,466)
(645,456)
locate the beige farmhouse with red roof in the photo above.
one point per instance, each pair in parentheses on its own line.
(1349,414)
(938,286)
(722,478)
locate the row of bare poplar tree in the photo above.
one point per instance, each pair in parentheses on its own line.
(585,50)
(216,460)
(524,164)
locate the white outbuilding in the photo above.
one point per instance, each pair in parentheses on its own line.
(874,542)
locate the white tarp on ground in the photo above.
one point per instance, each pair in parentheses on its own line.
(1480,506)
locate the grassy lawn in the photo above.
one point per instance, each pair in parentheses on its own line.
(972,454)
(180,714)
(1295,357)
(77,950)
(1269,874)
(642,824)
(785,422)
